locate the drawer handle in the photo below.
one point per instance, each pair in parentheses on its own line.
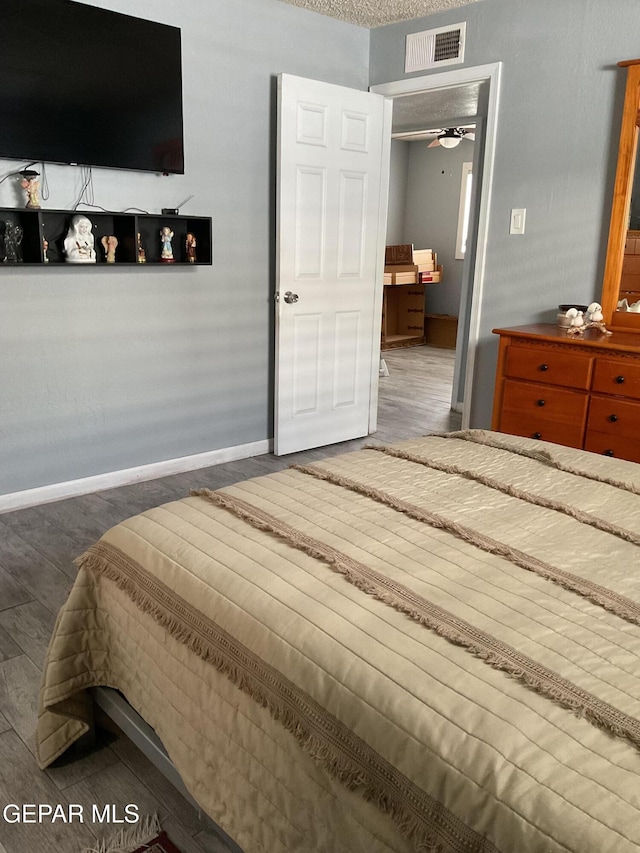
(537,435)
(608,453)
(613,418)
(619,379)
(544,367)
(540,403)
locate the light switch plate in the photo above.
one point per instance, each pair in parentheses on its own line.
(518,215)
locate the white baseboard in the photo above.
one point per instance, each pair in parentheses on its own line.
(127,476)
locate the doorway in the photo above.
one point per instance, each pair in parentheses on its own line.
(431,207)
(450,99)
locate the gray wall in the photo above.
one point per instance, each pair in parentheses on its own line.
(398,174)
(560,110)
(431,221)
(105,369)
(424,199)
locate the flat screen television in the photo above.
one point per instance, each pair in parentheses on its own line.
(89,86)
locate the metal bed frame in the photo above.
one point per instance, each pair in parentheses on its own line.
(116,707)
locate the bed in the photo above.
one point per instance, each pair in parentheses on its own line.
(429,646)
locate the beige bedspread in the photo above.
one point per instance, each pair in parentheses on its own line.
(434,646)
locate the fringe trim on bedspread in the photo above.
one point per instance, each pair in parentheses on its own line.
(484,646)
(543,456)
(429,825)
(128,840)
(513,491)
(620,605)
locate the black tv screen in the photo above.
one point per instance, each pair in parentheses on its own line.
(88,86)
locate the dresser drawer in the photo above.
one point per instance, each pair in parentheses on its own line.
(553,367)
(545,412)
(615,376)
(612,445)
(615,416)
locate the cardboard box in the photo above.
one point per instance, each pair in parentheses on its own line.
(401,274)
(405,277)
(423,256)
(441,330)
(431,277)
(394,268)
(400,254)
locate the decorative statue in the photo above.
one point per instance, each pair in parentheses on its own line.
(45,247)
(142,255)
(79,242)
(577,317)
(594,313)
(574,321)
(31,184)
(110,244)
(594,320)
(190,246)
(13,235)
(166,236)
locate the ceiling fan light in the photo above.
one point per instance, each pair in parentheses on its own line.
(450,141)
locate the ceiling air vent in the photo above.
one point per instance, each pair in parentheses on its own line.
(433,48)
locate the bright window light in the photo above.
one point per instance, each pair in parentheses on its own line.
(464,211)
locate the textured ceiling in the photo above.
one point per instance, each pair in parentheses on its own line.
(451,106)
(375,13)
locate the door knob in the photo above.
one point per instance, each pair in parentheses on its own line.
(290,297)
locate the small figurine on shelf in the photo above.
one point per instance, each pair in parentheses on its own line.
(190,247)
(30,183)
(142,255)
(110,244)
(166,236)
(45,248)
(13,234)
(79,242)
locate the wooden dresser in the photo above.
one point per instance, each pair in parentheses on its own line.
(577,391)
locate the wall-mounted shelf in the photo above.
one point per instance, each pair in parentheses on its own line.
(53,225)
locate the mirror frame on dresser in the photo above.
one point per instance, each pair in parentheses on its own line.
(618,228)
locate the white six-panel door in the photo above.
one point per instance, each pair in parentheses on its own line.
(333,150)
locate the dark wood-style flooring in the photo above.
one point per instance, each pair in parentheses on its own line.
(37,549)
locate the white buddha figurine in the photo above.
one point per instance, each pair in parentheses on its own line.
(79,242)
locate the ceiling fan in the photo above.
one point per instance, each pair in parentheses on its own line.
(451,136)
